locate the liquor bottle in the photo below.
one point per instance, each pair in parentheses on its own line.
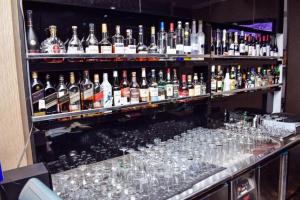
(144,88)
(220,79)
(107,92)
(257,45)
(252,78)
(233,82)
(118,41)
(218,48)
(268,45)
(161,86)
(130,43)
(242,44)
(224,50)
(275,48)
(265,79)
(239,78)
(249,81)
(153,47)
(183,90)
(91,43)
(236,45)
(63,95)
(231,44)
(75,45)
(162,39)
(202,84)
(194,39)
(105,45)
(213,43)
(171,42)
(187,39)
(169,85)
(213,86)
(244,79)
(98,99)
(175,84)
(246,45)
(263,46)
(32,41)
(201,39)
(53,44)
(179,38)
(37,96)
(141,47)
(197,85)
(50,97)
(74,92)
(125,89)
(134,89)
(276,75)
(87,91)
(253,44)
(227,82)
(258,78)
(190,86)
(249,45)
(116,90)
(153,87)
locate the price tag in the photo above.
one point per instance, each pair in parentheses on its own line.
(1,174)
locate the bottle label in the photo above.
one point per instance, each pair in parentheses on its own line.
(246,48)
(213,85)
(125,93)
(183,93)
(106,49)
(73,50)
(74,97)
(63,97)
(51,100)
(42,104)
(232,84)
(117,98)
(88,94)
(187,49)
(176,90)
(231,49)
(134,95)
(242,48)
(38,95)
(201,41)
(107,96)
(219,86)
(170,51)
(98,99)
(268,50)
(179,48)
(197,90)
(119,48)
(154,93)
(191,92)
(169,90)
(143,52)
(250,48)
(130,49)
(144,94)
(161,93)
(92,49)
(264,50)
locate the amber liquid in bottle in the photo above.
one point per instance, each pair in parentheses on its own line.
(87,92)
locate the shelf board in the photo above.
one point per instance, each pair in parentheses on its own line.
(95,112)
(229,93)
(247,57)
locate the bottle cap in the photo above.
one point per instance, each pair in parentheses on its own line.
(162,26)
(118,29)
(34,75)
(143,72)
(115,74)
(96,78)
(171,27)
(105,76)
(152,30)
(104,28)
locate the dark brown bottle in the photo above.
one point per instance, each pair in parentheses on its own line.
(32,41)
(125,89)
(37,95)
(50,97)
(63,95)
(87,92)
(74,92)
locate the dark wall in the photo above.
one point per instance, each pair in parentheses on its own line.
(293,49)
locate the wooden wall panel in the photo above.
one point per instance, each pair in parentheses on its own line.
(13,117)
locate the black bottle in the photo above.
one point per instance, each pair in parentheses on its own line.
(32,41)
(50,97)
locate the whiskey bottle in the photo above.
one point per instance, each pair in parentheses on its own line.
(220,79)
(194,39)
(252,78)
(175,84)
(179,38)
(236,45)
(239,78)
(74,92)
(171,42)
(98,92)
(153,47)
(218,46)
(107,92)
(144,89)
(153,87)
(233,82)
(169,85)
(63,95)
(201,39)
(268,45)
(258,78)
(116,90)
(213,86)
(257,46)
(118,41)
(161,86)
(50,97)
(187,39)
(91,41)
(242,44)
(105,45)
(202,84)
(190,86)
(87,92)
(125,89)
(53,44)
(183,90)
(75,45)
(37,96)
(32,41)
(134,90)
(141,47)
(197,85)
(162,39)
(130,43)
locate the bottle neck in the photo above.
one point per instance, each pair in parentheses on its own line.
(153,41)
(141,38)
(194,28)
(104,36)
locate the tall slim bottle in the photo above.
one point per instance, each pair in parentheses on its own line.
(175,84)
(98,93)
(116,90)
(162,39)
(32,40)
(153,47)
(125,89)
(129,43)
(141,47)
(144,89)
(179,38)
(161,86)
(105,45)
(107,92)
(87,92)
(201,39)
(50,97)
(74,92)
(134,89)
(169,85)
(171,43)
(187,39)
(91,43)
(37,96)
(153,87)
(63,95)
(118,41)
(194,39)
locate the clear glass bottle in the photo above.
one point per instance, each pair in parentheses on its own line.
(32,40)
(118,41)
(239,78)
(171,42)
(107,92)
(74,92)
(242,43)
(153,47)
(231,44)
(98,93)
(232,76)
(91,43)
(236,44)
(116,90)
(53,44)
(87,92)
(218,46)
(141,47)
(125,89)
(201,39)
(224,50)
(153,87)
(161,86)
(187,39)
(169,85)
(162,39)
(50,97)
(197,85)
(194,39)
(105,45)
(203,84)
(220,79)
(63,95)
(144,89)
(130,43)
(37,96)
(227,82)
(213,86)
(75,45)
(134,89)
(175,84)
(179,38)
